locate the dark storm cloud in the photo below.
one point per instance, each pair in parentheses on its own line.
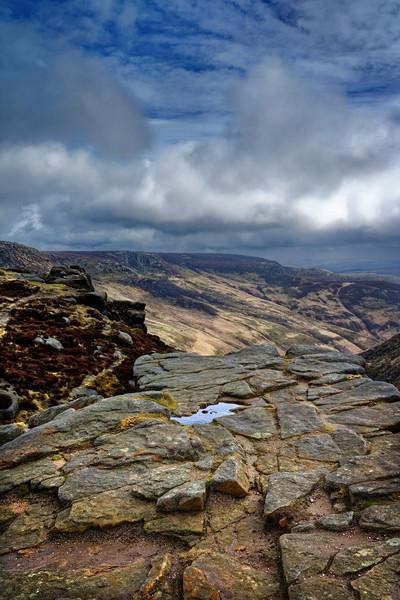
(274,121)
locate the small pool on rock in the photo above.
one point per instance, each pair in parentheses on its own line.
(208,414)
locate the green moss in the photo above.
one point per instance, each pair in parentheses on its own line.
(168,401)
(56,457)
(22,490)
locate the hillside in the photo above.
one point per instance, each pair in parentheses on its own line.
(210,303)
(383,361)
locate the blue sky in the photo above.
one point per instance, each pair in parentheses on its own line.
(259,127)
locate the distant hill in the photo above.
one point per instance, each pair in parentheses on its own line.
(211,303)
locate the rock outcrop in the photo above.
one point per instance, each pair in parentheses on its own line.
(302,478)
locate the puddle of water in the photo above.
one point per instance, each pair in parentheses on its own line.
(206,415)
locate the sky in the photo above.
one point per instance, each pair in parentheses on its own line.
(261,127)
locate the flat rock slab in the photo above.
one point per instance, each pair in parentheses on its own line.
(381,518)
(365,420)
(225,578)
(26,472)
(29,529)
(296,419)
(285,487)
(304,555)
(364,395)
(357,558)
(321,447)
(177,525)
(85,584)
(381,582)
(106,509)
(75,427)
(309,368)
(358,469)
(212,434)
(188,496)
(254,422)
(230,478)
(157,482)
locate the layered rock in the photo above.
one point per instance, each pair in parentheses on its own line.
(313,448)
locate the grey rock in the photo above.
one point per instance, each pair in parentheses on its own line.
(228,447)
(24,473)
(321,447)
(9,432)
(380,582)
(337,357)
(285,487)
(237,389)
(306,555)
(48,414)
(373,467)
(365,419)
(381,518)
(349,442)
(159,481)
(188,496)
(308,368)
(9,404)
(374,489)
(340,522)
(212,434)
(358,558)
(76,426)
(252,422)
(253,354)
(53,343)
(296,419)
(231,478)
(363,395)
(125,338)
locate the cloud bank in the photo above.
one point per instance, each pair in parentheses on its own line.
(292,159)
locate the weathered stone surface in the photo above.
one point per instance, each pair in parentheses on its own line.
(232,579)
(103,510)
(28,529)
(179,525)
(340,522)
(364,468)
(304,349)
(363,395)
(189,496)
(363,420)
(381,518)
(304,555)
(320,588)
(83,584)
(155,585)
(212,434)
(284,488)
(349,442)
(9,432)
(229,447)
(359,558)
(24,473)
(230,478)
(321,447)
(381,582)
(374,489)
(309,368)
(196,586)
(252,422)
(296,419)
(159,481)
(47,415)
(237,389)
(75,427)
(267,380)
